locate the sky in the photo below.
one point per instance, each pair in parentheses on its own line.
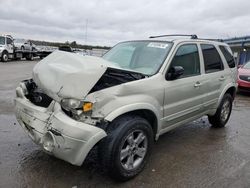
(107,22)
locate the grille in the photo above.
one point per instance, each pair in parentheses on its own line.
(245,77)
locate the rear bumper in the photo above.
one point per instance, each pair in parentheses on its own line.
(55,132)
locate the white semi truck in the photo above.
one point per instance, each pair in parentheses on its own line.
(8,51)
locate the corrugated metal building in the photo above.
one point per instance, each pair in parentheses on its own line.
(241,48)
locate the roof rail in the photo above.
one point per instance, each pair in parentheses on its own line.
(218,40)
(175,35)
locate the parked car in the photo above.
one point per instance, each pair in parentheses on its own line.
(22,44)
(44,51)
(65,48)
(244,77)
(122,102)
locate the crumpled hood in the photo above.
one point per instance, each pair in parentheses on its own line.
(68,75)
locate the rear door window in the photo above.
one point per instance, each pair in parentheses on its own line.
(212,59)
(228,56)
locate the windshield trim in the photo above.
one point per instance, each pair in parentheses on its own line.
(163,60)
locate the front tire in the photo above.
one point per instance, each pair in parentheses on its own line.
(124,152)
(222,115)
(5,56)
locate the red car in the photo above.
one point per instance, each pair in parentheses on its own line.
(244,77)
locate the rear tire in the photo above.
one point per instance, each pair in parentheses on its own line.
(5,57)
(30,57)
(222,115)
(125,151)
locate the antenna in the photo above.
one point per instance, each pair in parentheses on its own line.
(175,35)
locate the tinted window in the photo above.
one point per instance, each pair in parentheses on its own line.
(228,56)
(211,58)
(187,56)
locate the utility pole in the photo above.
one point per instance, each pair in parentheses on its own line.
(86,31)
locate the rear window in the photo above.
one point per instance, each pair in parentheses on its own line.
(212,59)
(228,56)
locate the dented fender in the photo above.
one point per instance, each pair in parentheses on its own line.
(132,107)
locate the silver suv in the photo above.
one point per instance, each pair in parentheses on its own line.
(122,102)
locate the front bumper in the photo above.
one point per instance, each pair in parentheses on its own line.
(243,85)
(57,133)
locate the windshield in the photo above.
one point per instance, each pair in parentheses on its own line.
(145,57)
(2,40)
(247,65)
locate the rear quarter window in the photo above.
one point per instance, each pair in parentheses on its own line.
(228,56)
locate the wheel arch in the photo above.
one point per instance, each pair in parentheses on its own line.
(230,89)
(146,113)
(5,51)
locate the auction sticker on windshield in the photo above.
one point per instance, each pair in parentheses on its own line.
(157,45)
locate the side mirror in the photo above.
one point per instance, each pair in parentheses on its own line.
(174,72)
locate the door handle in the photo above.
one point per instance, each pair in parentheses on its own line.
(197,84)
(222,78)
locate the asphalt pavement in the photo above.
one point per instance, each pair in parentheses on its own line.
(194,155)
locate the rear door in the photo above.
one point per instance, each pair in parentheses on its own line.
(215,75)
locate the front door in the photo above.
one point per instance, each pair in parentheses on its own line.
(9,45)
(184,95)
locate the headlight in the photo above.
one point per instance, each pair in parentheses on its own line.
(76,105)
(69,104)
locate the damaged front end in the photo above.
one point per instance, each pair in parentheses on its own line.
(53,107)
(43,119)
